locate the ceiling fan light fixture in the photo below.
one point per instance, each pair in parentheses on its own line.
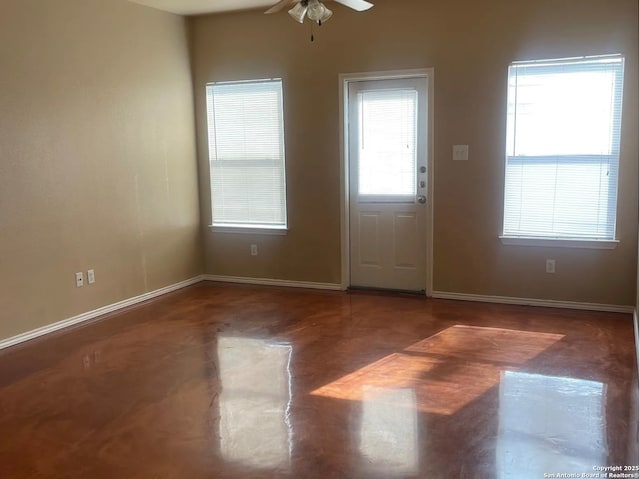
(326,16)
(316,10)
(299,11)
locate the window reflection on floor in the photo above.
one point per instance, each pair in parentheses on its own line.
(254,402)
(549,425)
(389,430)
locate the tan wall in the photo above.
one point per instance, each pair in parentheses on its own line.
(469,44)
(97,157)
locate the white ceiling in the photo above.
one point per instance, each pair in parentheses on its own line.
(197,7)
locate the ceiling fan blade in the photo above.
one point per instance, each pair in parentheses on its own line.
(358,5)
(281,5)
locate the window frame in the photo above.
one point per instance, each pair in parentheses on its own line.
(248,228)
(569,241)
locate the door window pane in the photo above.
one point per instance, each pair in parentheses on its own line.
(387,142)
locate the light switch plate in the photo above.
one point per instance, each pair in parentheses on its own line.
(460,152)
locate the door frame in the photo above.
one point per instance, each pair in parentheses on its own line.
(344,79)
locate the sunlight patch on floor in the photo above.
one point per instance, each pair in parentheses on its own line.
(447,370)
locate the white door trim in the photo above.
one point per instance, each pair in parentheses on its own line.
(344,79)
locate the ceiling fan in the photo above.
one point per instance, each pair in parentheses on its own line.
(315,9)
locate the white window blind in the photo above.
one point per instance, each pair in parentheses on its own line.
(246,154)
(563,148)
(388,140)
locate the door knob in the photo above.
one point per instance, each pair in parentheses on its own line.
(422,199)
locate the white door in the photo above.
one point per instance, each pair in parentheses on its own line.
(387,154)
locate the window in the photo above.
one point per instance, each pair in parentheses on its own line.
(246,154)
(388,123)
(563,148)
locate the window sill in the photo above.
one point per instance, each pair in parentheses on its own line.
(253,230)
(559,242)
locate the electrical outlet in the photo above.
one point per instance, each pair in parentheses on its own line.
(254,250)
(91,276)
(79,280)
(551,266)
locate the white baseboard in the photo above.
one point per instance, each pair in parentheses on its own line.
(636,329)
(273,282)
(547,303)
(65,323)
